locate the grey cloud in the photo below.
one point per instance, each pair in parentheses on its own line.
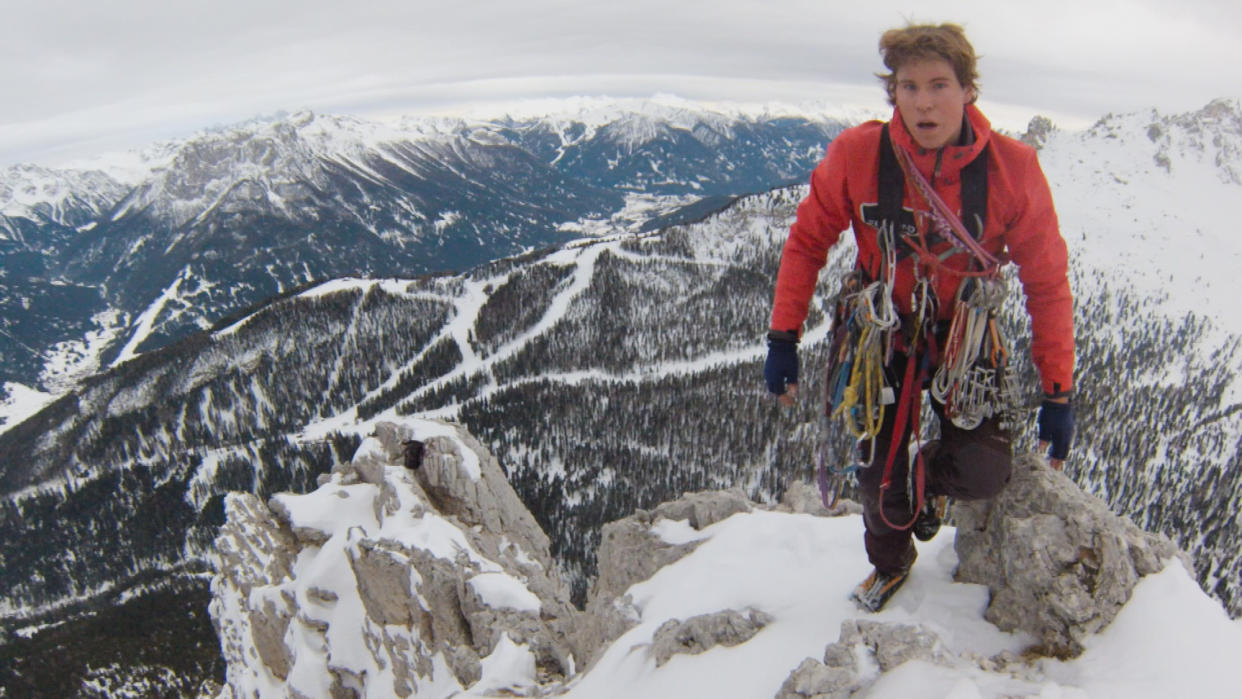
(146,64)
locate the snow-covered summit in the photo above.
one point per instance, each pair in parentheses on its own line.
(597,111)
(404,573)
(1211,137)
(1150,195)
(64,197)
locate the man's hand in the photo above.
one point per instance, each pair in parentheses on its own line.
(1056,429)
(780,371)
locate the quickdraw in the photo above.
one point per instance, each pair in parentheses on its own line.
(862,344)
(973,382)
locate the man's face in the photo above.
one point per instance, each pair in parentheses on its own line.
(931,101)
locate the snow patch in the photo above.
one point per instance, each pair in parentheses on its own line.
(503,591)
(21,402)
(508,671)
(67,363)
(1170,640)
(146,321)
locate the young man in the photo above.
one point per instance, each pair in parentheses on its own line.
(981,177)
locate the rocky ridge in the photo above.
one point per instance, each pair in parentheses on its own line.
(408,580)
(435,580)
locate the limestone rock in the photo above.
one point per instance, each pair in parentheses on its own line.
(385,583)
(815,680)
(706,508)
(252,551)
(268,623)
(1037,131)
(398,573)
(488,501)
(1058,563)
(630,553)
(885,646)
(701,633)
(804,498)
(891,644)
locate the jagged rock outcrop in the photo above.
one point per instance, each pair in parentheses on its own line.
(803,498)
(1037,131)
(631,552)
(884,646)
(260,550)
(1058,563)
(706,631)
(389,582)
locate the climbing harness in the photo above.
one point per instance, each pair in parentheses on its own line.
(971,377)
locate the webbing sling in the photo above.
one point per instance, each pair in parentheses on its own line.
(908,409)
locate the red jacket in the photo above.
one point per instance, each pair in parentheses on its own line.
(1021,224)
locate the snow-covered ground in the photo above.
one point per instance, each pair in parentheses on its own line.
(1171,640)
(1149,204)
(21,402)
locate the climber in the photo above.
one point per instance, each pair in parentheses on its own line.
(938,203)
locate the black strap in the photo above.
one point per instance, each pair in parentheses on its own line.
(975,194)
(892,183)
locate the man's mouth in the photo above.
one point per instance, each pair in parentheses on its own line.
(927,124)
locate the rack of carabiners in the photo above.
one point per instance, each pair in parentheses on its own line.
(863,325)
(973,381)
(864,322)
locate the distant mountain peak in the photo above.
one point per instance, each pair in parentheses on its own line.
(34,192)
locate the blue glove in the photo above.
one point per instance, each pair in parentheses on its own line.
(1056,426)
(781,367)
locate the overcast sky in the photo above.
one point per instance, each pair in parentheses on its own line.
(80,77)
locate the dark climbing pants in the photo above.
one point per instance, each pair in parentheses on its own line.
(964,465)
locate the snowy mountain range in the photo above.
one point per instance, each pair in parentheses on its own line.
(164,243)
(613,373)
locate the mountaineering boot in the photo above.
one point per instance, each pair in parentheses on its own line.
(928,522)
(873,593)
